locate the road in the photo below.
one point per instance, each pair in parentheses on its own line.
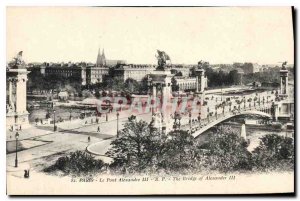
(66,141)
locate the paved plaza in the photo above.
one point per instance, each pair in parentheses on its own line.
(71,136)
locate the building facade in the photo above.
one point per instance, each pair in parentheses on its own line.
(75,71)
(95,74)
(186,83)
(133,71)
(88,73)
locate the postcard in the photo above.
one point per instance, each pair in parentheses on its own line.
(150,100)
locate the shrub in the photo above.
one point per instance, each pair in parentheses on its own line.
(78,162)
(274,153)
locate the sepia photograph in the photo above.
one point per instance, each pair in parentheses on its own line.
(150,100)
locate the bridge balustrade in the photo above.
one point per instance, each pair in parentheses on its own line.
(266,108)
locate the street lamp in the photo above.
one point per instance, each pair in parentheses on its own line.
(16,160)
(208,114)
(199,118)
(152,108)
(175,122)
(190,120)
(118,124)
(179,124)
(54,127)
(70,114)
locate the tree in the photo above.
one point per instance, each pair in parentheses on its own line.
(274,152)
(135,148)
(36,80)
(144,85)
(226,151)
(131,85)
(141,148)
(177,154)
(234,77)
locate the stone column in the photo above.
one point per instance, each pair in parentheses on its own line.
(276,112)
(154,91)
(197,84)
(284,82)
(10,94)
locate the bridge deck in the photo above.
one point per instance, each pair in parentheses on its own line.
(227,116)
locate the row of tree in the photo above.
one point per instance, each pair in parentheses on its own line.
(40,83)
(142,149)
(217,78)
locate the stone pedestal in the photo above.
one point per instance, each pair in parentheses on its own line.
(283,83)
(243,132)
(201,83)
(160,83)
(16,112)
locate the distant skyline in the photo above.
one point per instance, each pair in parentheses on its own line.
(218,35)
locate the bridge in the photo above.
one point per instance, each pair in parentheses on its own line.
(264,112)
(199,127)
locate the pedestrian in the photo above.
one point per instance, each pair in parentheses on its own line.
(98,130)
(26,174)
(85,122)
(20,127)
(89,138)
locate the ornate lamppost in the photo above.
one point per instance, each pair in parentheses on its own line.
(179,123)
(70,114)
(199,118)
(208,114)
(190,120)
(54,126)
(223,108)
(175,121)
(16,160)
(118,124)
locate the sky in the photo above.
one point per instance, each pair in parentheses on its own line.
(217,34)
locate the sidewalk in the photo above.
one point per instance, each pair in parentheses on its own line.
(88,121)
(26,133)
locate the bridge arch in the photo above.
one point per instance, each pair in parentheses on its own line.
(255,112)
(226,117)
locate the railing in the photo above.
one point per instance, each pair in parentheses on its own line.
(196,125)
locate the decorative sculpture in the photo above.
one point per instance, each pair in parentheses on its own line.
(200,64)
(284,65)
(162,59)
(17,61)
